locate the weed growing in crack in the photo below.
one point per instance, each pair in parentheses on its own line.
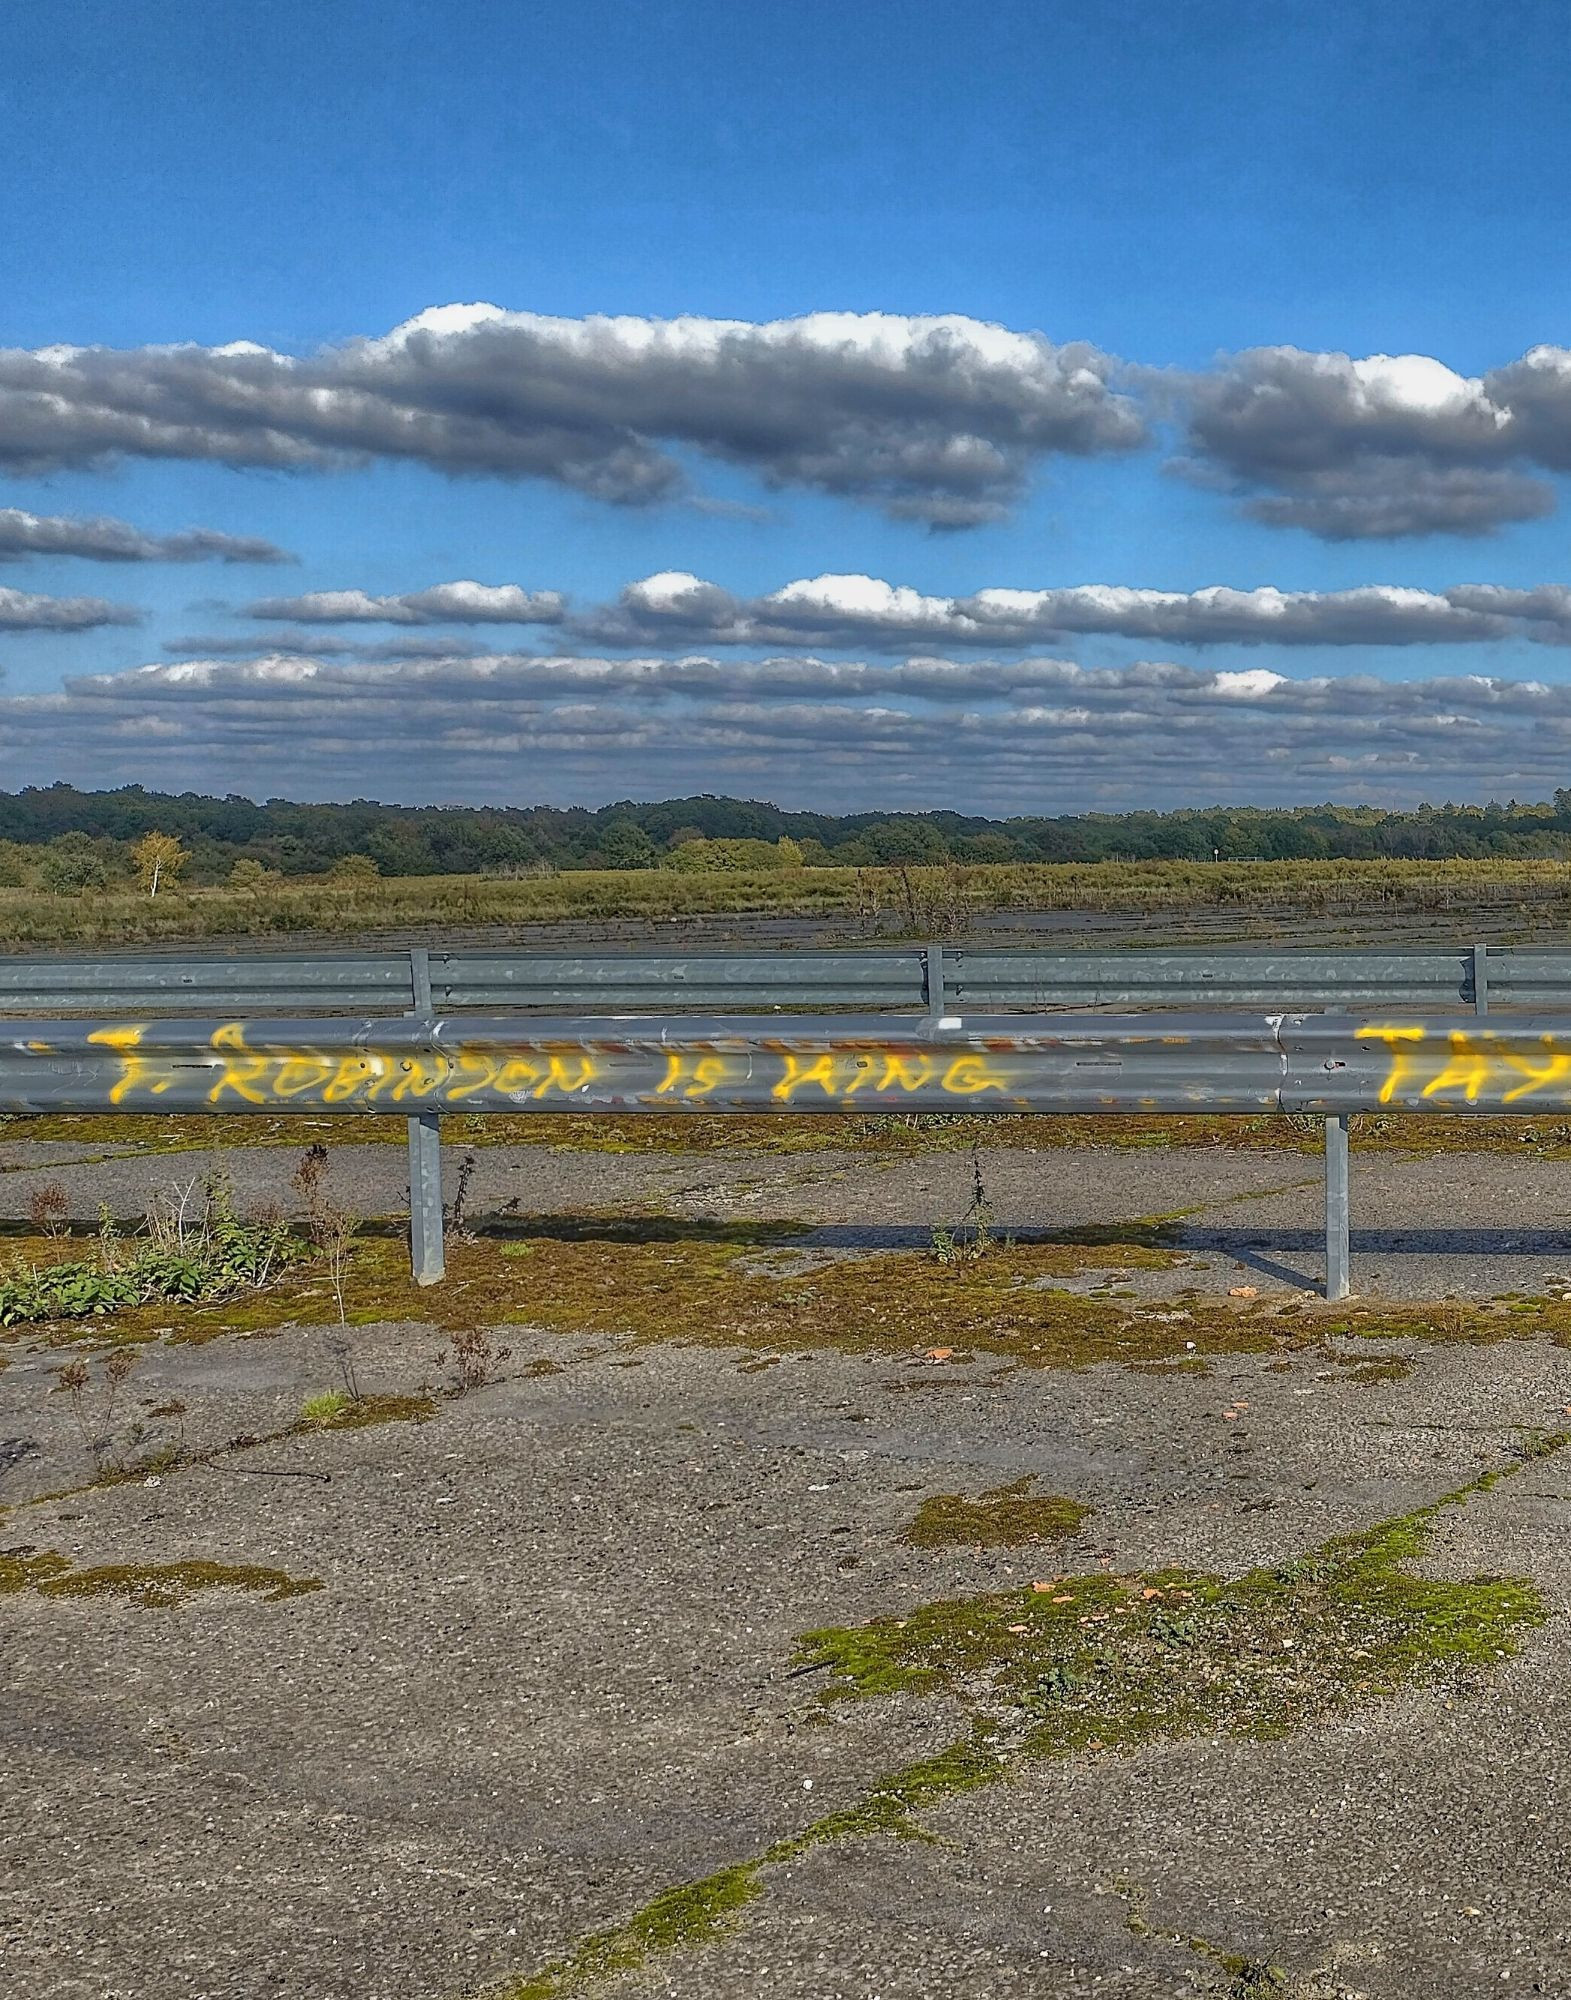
(973,1237)
(325,1408)
(330,1225)
(49,1209)
(95,1422)
(458,1208)
(470,1359)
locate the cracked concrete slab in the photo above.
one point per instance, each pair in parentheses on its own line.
(548,1672)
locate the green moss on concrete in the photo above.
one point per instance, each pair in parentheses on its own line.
(25,1568)
(1104,1663)
(333,1410)
(1004,1517)
(153,1586)
(695,1913)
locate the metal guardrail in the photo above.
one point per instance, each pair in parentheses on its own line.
(934,977)
(1326,1064)
(425,1063)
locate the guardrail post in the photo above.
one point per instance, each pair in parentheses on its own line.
(1480,979)
(1338,1277)
(933,980)
(426,1255)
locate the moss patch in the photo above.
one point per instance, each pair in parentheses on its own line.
(1005,1517)
(1108,1663)
(894,1134)
(651,1279)
(152,1586)
(358,1413)
(695,1913)
(1371,1373)
(25,1568)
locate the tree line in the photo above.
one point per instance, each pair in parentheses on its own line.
(63,838)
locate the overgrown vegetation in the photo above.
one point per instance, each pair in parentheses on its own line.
(738,1286)
(41,908)
(192,1246)
(330,1224)
(1100,1663)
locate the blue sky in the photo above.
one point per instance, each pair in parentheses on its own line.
(1171,185)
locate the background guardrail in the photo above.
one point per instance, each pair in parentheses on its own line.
(936,978)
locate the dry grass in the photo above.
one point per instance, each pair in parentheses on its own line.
(890,901)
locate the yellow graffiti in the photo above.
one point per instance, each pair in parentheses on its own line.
(236,1073)
(843,1075)
(691,1076)
(1403,1044)
(1554,1067)
(243,1072)
(1467,1063)
(289,1075)
(136,1069)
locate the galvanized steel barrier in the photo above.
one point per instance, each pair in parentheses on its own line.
(935,977)
(161,1050)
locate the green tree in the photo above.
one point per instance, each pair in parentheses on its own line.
(71,863)
(624,844)
(250,874)
(354,871)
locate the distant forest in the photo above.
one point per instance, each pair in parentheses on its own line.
(295,840)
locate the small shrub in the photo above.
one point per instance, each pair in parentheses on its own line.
(251,875)
(49,1208)
(70,863)
(354,871)
(470,1359)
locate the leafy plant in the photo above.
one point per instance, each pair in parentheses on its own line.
(193,1246)
(973,1237)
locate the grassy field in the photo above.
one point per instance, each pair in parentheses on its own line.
(926,902)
